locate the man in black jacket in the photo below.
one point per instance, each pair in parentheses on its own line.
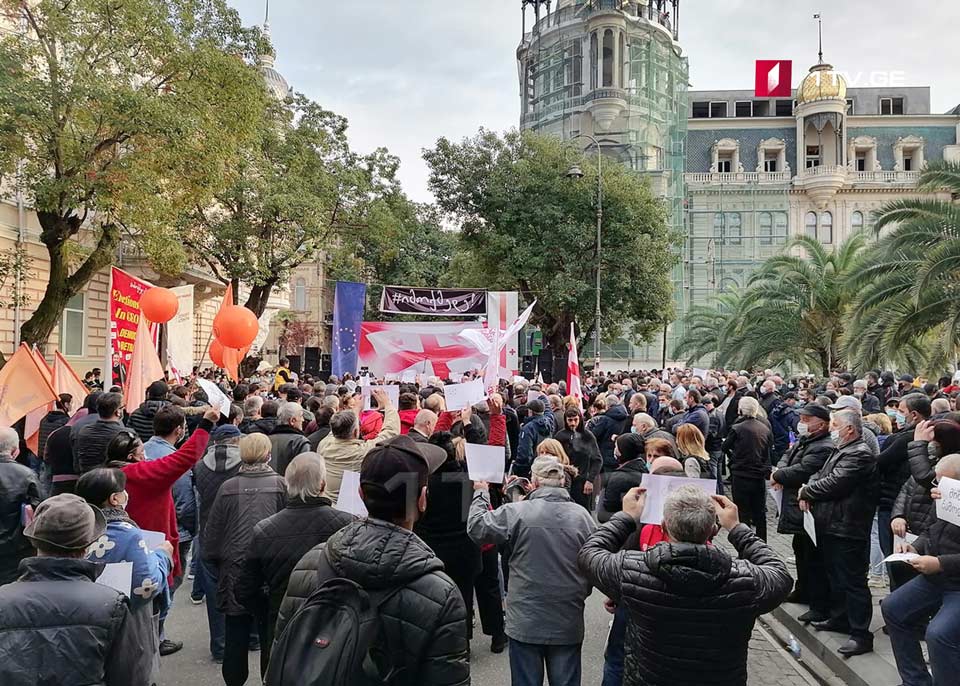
(424,624)
(607,425)
(747,447)
(287,439)
(684,583)
(141,419)
(843,497)
(801,462)
(19,487)
(90,441)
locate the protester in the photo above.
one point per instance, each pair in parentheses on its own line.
(254,494)
(423,637)
(843,496)
(935,591)
(58,458)
(581,447)
(53,420)
(686,583)
(796,467)
(141,419)
(58,626)
(321,423)
(343,450)
(630,451)
(268,419)
(693,452)
(287,439)
(544,532)
(537,428)
(19,490)
(281,540)
(90,439)
(645,426)
(696,414)
(748,447)
(424,424)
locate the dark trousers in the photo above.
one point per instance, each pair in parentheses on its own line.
(528,660)
(489,599)
(906,612)
(812,584)
(236,646)
(847,562)
(461,562)
(207,579)
(716,463)
(613,656)
(750,497)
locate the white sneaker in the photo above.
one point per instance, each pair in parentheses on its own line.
(189,577)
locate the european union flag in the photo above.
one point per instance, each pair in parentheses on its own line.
(348,302)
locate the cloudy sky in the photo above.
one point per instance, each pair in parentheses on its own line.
(405,72)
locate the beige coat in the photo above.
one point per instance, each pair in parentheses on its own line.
(342,455)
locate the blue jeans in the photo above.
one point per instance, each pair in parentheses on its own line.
(905,612)
(527,662)
(614,654)
(206,577)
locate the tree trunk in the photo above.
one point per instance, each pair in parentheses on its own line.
(824,363)
(259,296)
(56,231)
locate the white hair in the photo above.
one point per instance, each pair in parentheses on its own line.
(748,407)
(689,515)
(306,476)
(9,441)
(643,419)
(288,411)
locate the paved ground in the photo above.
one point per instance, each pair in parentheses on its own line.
(769,664)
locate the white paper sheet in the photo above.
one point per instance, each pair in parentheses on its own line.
(153,539)
(349,499)
(908,538)
(393,392)
(118,576)
(215,396)
(659,487)
(901,557)
(533,395)
(777,495)
(485,463)
(809,526)
(948,506)
(461,395)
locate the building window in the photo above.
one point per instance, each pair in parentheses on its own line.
(744,108)
(594,60)
(810,225)
(856,221)
(733,228)
(766,228)
(784,108)
(701,110)
(725,163)
(770,161)
(891,105)
(300,295)
(826,228)
(780,227)
(718,226)
(861,160)
(908,161)
(761,108)
(850,106)
(608,58)
(718,110)
(813,156)
(72,326)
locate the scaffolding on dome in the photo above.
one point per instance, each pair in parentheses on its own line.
(614,69)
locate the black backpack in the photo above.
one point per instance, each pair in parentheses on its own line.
(328,640)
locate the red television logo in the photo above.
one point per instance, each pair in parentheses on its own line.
(774,78)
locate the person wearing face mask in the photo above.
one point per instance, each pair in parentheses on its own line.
(796,467)
(123,542)
(842,496)
(867,400)
(630,451)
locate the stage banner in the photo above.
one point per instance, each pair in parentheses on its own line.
(124,308)
(503,308)
(180,335)
(436,302)
(427,348)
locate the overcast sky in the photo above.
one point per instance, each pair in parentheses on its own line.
(405,72)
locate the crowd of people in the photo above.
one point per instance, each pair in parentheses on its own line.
(247,502)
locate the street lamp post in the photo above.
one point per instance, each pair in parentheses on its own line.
(576,173)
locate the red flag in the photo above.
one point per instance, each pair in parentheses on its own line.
(573,368)
(145,367)
(24,387)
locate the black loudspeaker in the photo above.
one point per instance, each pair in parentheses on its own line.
(294,364)
(528,365)
(311,361)
(326,361)
(545,364)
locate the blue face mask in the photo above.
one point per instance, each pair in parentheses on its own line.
(892,414)
(633,429)
(900,418)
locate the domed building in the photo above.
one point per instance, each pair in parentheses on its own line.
(276,84)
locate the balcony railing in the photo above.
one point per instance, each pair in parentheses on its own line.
(719,178)
(823,170)
(906,178)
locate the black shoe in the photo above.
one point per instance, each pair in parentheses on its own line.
(498,644)
(795,597)
(168,647)
(831,625)
(855,646)
(254,647)
(813,616)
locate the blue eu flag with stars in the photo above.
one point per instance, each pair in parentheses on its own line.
(348,302)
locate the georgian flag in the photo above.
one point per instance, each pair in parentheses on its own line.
(573,368)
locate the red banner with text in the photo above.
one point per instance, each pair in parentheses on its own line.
(124,302)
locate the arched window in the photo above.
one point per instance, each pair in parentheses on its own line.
(594,60)
(608,42)
(300,294)
(856,221)
(780,227)
(766,228)
(810,225)
(734,232)
(826,228)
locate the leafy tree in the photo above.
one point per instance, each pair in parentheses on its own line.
(907,307)
(525,226)
(793,310)
(298,185)
(122,113)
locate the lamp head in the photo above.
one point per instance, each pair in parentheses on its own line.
(575,172)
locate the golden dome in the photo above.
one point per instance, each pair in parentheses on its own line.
(822,83)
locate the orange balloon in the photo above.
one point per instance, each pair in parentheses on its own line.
(159,305)
(235,327)
(216,353)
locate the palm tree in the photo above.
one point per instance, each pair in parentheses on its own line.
(907,307)
(792,310)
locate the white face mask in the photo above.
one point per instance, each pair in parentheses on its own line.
(803,429)
(835,435)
